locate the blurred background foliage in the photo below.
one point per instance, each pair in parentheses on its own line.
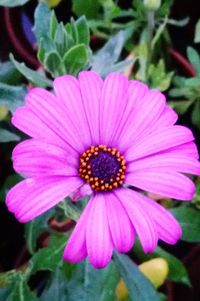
(55,37)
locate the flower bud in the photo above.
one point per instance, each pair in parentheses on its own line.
(152,5)
(156,270)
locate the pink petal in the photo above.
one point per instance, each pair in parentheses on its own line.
(135,92)
(75,249)
(144,115)
(163,182)
(68,91)
(32,197)
(167,227)
(91,87)
(33,157)
(187,149)
(167,118)
(113,101)
(141,220)
(52,112)
(121,229)
(29,123)
(158,141)
(172,161)
(98,239)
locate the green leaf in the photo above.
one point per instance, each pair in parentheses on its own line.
(53,64)
(196,114)
(177,271)
(89,8)
(53,25)
(34,228)
(9,183)
(42,18)
(109,54)
(34,77)
(12,96)
(50,257)
(139,286)
(83,31)
(7,136)
(12,3)
(181,106)
(20,290)
(63,40)
(9,74)
(197,32)
(57,288)
(189,220)
(90,284)
(76,59)
(194,58)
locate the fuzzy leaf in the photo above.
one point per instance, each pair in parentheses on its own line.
(12,96)
(32,76)
(76,59)
(194,58)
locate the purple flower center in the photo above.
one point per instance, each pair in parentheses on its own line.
(102,167)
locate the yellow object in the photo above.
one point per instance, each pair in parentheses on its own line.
(156,270)
(52,3)
(3,112)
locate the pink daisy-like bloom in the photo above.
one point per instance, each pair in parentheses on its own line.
(114,140)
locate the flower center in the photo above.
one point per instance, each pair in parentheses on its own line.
(102,167)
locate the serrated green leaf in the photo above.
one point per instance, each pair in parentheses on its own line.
(138,285)
(177,271)
(42,18)
(50,257)
(53,64)
(76,59)
(34,77)
(34,228)
(12,3)
(197,32)
(189,220)
(7,136)
(9,74)
(83,31)
(194,58)
(12,96)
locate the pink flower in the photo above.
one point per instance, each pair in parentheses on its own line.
(117,136)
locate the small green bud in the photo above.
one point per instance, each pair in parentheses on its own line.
(152,5)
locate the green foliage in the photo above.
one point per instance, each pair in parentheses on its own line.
(7,136)
(34,77)
(9,74)
(62,48)
(177,271)
(50,257)
(158,77)
(189,220)
(187,90)
(89,8)
(11,3)
(35,227)
(197,32)
(139,286)
(12,96)
(105,60)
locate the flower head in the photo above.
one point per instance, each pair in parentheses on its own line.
(115,137)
